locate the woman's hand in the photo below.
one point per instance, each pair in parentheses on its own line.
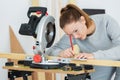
(67,53)
(85,56)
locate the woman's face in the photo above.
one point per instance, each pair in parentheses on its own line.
(76,29)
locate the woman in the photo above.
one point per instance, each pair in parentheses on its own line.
(97,36)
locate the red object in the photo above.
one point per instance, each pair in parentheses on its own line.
(38,12)
(33,47)
(37,58)
(46,13)
(70,36)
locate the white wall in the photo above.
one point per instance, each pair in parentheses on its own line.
(14,12)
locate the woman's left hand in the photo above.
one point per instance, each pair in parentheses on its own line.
(85,56)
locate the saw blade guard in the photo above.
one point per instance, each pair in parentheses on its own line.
(45,33)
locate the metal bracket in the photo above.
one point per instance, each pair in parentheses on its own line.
(12,74)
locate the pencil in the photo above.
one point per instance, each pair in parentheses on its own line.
(70,37)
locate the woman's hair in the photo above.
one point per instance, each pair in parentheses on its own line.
(71,13)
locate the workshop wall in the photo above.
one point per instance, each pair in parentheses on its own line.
(14,13)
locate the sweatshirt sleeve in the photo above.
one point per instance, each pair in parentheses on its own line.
(113,31)
(62,44)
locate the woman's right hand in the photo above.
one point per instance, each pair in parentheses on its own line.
(68,53)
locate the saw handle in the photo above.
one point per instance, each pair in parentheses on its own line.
(43,10)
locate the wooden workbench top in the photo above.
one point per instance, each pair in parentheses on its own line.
(86,62)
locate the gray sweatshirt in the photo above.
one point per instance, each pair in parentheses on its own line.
(104,43)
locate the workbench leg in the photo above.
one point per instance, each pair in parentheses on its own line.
(34,75)
(12,79)
(13,74)
(25,77)
(62,76)
(50,76)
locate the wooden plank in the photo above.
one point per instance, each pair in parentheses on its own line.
(71,1)
(50,76)
(89,62)
(15,46)
(16,56)
(98,62)
(35,3)
(14,43)
(61,32)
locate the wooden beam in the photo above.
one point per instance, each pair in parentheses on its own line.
(71,1)
(90,62)
(98,62)
(15,56)
(14,43)
(15,46)
(87,62)
(35,3)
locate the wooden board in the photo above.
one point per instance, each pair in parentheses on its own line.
(14,43)
(71,1)
(91,62)
(35,3)
(16,56)
(98,62)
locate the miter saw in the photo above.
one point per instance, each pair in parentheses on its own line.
(42,27)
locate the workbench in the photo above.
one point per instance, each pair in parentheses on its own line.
(77,62)
(26,68)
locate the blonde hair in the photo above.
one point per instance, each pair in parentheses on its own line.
(71,13)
